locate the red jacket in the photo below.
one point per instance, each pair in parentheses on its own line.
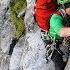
(44,8)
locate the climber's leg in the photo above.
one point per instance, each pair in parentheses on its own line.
(58,61)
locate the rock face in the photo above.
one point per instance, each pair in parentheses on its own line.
(4,4)
(5,34)
(5,30)
(35,58)
(29,15)
(68,65)
(29,54)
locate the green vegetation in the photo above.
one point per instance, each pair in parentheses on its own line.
(17,6)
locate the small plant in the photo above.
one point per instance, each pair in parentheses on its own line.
(16,6)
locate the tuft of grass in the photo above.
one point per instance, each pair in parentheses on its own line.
(15,7)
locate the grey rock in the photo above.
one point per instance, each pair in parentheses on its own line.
(4,4)
(4,64)
(6,29)
(29,15)
(17,55)
(35,57)
(5,34)
(68,65)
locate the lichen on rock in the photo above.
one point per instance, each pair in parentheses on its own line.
(16,6)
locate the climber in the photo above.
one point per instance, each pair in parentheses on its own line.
(61,16)
(44,8)
(60,30)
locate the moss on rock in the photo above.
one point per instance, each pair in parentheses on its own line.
(17,6)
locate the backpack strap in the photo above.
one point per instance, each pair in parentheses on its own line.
(61,12)
(58,13)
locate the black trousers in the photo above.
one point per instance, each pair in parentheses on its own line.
(58,61)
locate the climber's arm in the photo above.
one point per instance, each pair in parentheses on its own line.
(55,25)
(65,32)
(56,22)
